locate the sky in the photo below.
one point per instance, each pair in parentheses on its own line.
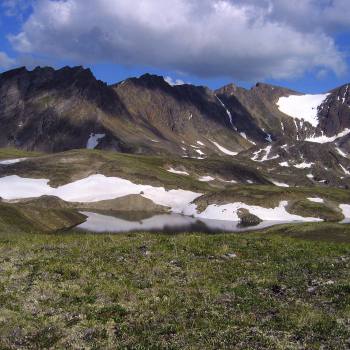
(304,44)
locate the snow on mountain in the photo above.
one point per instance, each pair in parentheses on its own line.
(173,82)
(224,150)
(227,112)
(304,165)
(229,212)
(93,140)
(12,161)
(266,156)
(302,106)
(326,139)
(178,172)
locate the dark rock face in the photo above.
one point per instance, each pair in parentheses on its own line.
(50,110)
(56,110)
(334,113)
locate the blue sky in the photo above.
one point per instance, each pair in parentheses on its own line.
(304,45)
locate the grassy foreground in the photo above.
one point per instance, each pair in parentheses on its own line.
(194,291)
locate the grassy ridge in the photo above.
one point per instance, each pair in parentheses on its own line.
(150,291)
(12,153)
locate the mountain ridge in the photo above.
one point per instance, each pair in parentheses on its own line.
(57,110)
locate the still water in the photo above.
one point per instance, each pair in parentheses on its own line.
(166,223)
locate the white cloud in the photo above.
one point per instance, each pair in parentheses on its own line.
(324,15)
(6,61)
(245,40)
(15,7)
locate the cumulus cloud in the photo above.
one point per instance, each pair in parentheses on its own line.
(243,39)
(6,61)
(15,7)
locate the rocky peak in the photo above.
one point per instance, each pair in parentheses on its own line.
(151,81)
(334,113)
(228,90)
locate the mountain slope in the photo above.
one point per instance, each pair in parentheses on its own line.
(57,110)
(52,111)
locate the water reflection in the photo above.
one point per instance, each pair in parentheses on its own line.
(167,223)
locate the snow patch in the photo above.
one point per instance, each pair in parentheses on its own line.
(316,200)
(179,172)
(266,156)
(284,164)
(228,181)
(200,143)
(326,139)
(346,171)
(229,212)
(345,94)
(279,184)
(224,150)
(12,161)
(200,152)
(302,107)
(341,152)
(93,140)
(304,165)
(346,210)
(244,135)
(268,138)
(206,178)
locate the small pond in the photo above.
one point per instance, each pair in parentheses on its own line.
(162,223)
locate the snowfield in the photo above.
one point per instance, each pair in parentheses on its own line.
(97,188)
(229,212)
(326,139)
(15,187)
(302,106)
(94,188)
(346,211)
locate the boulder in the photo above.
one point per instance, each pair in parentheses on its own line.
(247,219)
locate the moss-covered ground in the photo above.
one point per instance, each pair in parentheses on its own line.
(264,290)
